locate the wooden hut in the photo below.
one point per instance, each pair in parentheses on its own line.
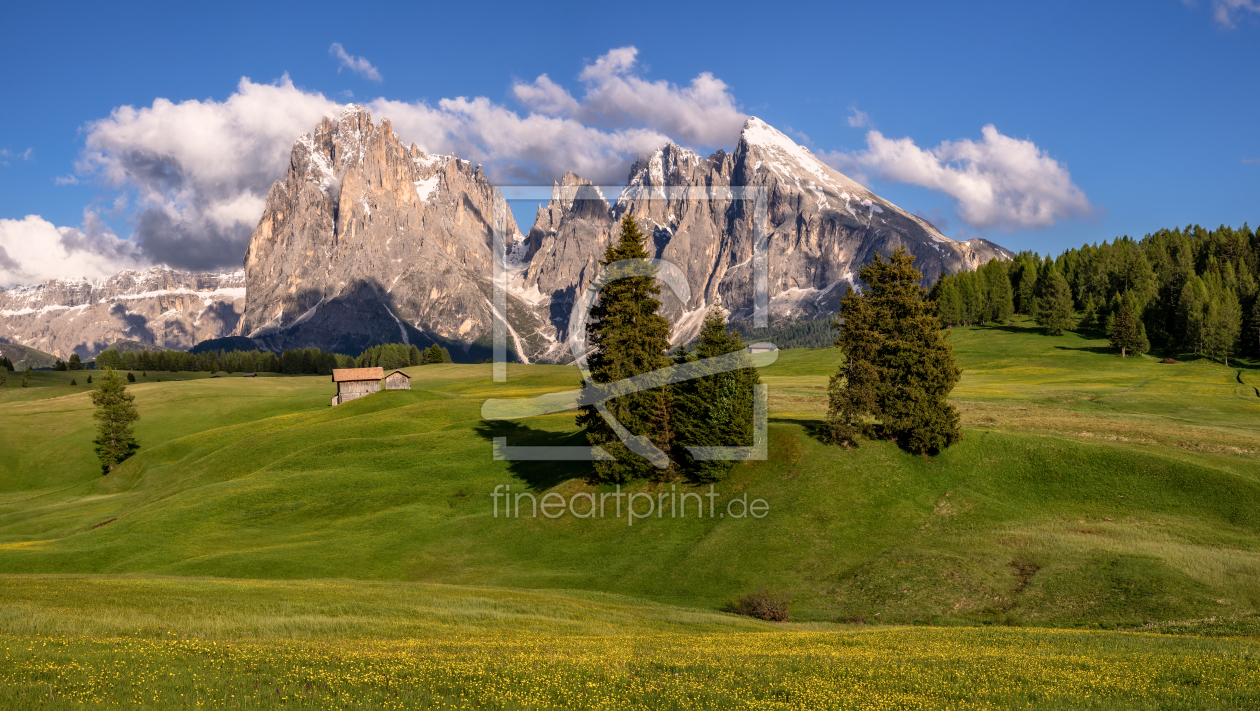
(356,382)
(397,380)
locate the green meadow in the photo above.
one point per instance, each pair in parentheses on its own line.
(1098,508)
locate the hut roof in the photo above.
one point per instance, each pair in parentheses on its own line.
(344,375)
(408,377)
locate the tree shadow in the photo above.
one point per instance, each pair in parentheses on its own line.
(815,429)
(537,475)
(1012,328)
(1091,349)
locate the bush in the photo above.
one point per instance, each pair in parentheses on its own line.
(131,377)
(770,605)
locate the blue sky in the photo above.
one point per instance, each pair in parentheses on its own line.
(1152,108)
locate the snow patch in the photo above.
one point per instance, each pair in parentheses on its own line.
(427,188)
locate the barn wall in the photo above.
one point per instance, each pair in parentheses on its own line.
(397,382)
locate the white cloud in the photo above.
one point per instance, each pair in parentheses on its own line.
(998,182)
(358,65)
(616,97)
(201,169)
(33,250)
(858,119)
(1227,12)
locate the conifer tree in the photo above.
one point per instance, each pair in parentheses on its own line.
(898,369)
(26,376)
(115,412)
(1223,325)
(4,377)
(1055,310)
(715,410)
(1192,314)
(627,336)
(1127,332)
(434,354)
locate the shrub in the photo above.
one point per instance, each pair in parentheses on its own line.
(770,605)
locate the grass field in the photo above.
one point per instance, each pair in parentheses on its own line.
(163,642)
(1088,492)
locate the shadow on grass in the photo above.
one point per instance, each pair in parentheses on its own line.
(542,475)
(815,429)
(1103,350)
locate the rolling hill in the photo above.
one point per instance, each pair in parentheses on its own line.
(1088,490)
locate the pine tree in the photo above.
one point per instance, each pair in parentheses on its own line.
(1127,332)
(716,410)
(898,368)
(4,377)
(627,336)
(26,377)
(1223,325)
(115,411)
(131,377)
(1055,310)
(434,354)
(89,380)
(414,356)
(1192,314)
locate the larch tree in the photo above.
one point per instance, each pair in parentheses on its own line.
(627,336)
(714,410)
(1055,311)
(898,369)
(115,413)
(1127,332)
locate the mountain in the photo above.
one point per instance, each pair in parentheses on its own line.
(162,306)
(23,356)
(823,227)
(367,240)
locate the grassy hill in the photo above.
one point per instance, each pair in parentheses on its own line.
(1088,490)
(24,356)
(127,345)
(138,641)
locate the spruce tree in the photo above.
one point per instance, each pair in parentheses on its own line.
(1191,314)
(715,410)
(75,363)
(1223,325)
(4,377)
(26,377)
(434,354)
(1055,310)
(898,369)
(1127,332)
(115,412)
(627,336)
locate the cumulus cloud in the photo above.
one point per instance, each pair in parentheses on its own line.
(1227,12)
(358,65)
(33,250)
(616,97)
(998,182)
(200,170)
(858,119)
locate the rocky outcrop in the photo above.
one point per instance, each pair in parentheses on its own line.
(166,307)
(367,240)
(823,227)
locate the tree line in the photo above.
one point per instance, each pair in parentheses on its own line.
(297,361)
(1186,290)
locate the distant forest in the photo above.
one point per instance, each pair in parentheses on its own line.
(298,361)
(1193,290)
(803,334)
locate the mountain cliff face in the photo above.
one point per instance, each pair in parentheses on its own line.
(823,227)
(170,308)
(367,240)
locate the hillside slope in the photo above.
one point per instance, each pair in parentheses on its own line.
(1087,489)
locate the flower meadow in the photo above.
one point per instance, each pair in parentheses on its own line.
(528,667)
